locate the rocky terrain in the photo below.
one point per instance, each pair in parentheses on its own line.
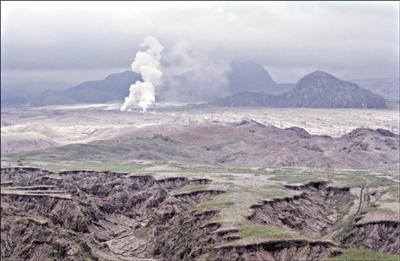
(203,131)
(315,90)
(314,212)
(93,215)
(96,215)
(32,128)
(245,143)
(194,182)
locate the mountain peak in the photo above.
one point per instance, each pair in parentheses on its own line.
(315,90)
(250,68)
(250,76)
(323,90)
(123,74)
(324,80)
(319,75)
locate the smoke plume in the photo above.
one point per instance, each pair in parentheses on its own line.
(147,64)
(190,74)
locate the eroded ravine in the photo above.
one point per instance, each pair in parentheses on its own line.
(314,212)
(383,236)
(75,215)
(322,211)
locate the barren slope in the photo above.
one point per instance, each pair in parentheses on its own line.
(247,143)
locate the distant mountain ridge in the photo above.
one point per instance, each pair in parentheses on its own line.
(205,85)
(16,94)
(315,90)
(113,87)
(389,88)
(252,77)
(245,84)
(190,86)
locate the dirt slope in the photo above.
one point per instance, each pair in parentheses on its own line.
(246,143)
(76,215)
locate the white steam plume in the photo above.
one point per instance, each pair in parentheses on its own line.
(147,64)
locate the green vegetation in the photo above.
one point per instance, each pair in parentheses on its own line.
(266,192)
(235,207)
(220,201)
(383,211)
(242,197)
(353,254)
(214,169)
(249,230)
(109,165)
(189,188)
(228,177)
(56,166)
(394,192)
(348,178)
(363,179)
(156,147)
(295,176)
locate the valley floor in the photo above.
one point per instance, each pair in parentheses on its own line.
(33,128)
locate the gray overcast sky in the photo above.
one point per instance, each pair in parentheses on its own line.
(62,40)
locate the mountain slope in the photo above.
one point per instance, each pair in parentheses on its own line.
(21,93)
(323,90)
(252,77)
(315,90)
(389,88)
(206,85)
(113,87)
(191,86)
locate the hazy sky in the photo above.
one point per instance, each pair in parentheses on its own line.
(76,41)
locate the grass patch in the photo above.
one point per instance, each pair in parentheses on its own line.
(273,191)
(189,188)
(218,202)
(214,169)
(361,179)
(115,166)
(249,230)
(228,177)
(394,192)
(384,211)
(353,254)
(357,178)
(294,176)
(107,166)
